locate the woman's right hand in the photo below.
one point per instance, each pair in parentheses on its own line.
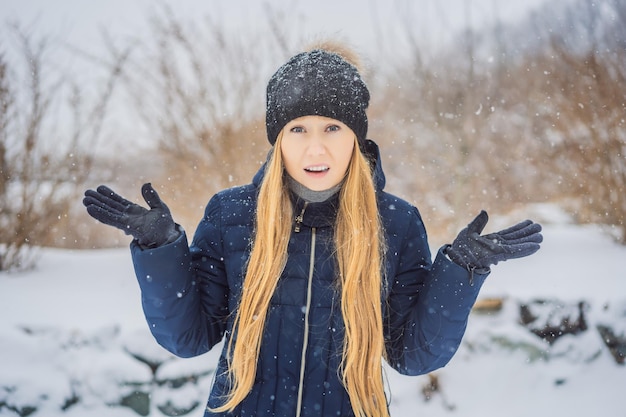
(151,228)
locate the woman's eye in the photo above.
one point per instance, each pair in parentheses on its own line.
(297,129)
(333,128)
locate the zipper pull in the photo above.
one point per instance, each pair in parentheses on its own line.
(300,218)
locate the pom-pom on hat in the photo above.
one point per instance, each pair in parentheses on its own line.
(319,83)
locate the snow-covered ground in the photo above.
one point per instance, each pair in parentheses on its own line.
(73,341)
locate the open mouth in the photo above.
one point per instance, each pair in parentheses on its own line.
(317,168)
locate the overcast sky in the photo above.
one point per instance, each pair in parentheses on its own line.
(360,22)
(369,26)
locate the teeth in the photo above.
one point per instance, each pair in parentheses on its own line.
(318,168)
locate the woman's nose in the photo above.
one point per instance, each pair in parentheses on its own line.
(316,146)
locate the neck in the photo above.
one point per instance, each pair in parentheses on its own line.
(309,195)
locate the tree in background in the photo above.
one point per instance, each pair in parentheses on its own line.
(500,118)
(583,122)
(199,92)
(510,116)
(43,163)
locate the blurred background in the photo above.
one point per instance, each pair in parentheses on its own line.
(518,108)
(475,104)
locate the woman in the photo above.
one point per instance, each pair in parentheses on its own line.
(312,273)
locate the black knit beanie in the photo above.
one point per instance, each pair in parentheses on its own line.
(318,83)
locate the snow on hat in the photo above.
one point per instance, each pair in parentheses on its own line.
(319,83)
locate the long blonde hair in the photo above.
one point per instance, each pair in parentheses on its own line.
(360,276)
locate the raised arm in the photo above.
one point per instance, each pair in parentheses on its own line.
(184,301)
(429,304)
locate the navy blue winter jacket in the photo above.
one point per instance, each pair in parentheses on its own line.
(190,293)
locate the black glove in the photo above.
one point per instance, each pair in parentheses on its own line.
(151,228)
(472,251)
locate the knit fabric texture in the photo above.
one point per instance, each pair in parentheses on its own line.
(318,83)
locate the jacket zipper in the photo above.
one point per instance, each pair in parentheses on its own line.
(300,218)
(306,319)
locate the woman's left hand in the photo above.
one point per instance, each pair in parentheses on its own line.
(473,251)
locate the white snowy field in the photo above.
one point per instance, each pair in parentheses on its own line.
(72,330)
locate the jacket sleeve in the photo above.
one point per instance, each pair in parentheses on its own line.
(428,305)
(184,291)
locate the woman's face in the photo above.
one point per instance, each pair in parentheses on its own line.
(317,150)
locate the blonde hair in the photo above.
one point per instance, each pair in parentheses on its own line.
(360,252)
(274,217)
(360,275)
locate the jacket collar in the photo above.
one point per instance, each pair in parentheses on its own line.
(322,214)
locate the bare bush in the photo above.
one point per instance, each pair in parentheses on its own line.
(41,160)
(569,94)
(495,125)
(199,93)
(585,130)
(454,150)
